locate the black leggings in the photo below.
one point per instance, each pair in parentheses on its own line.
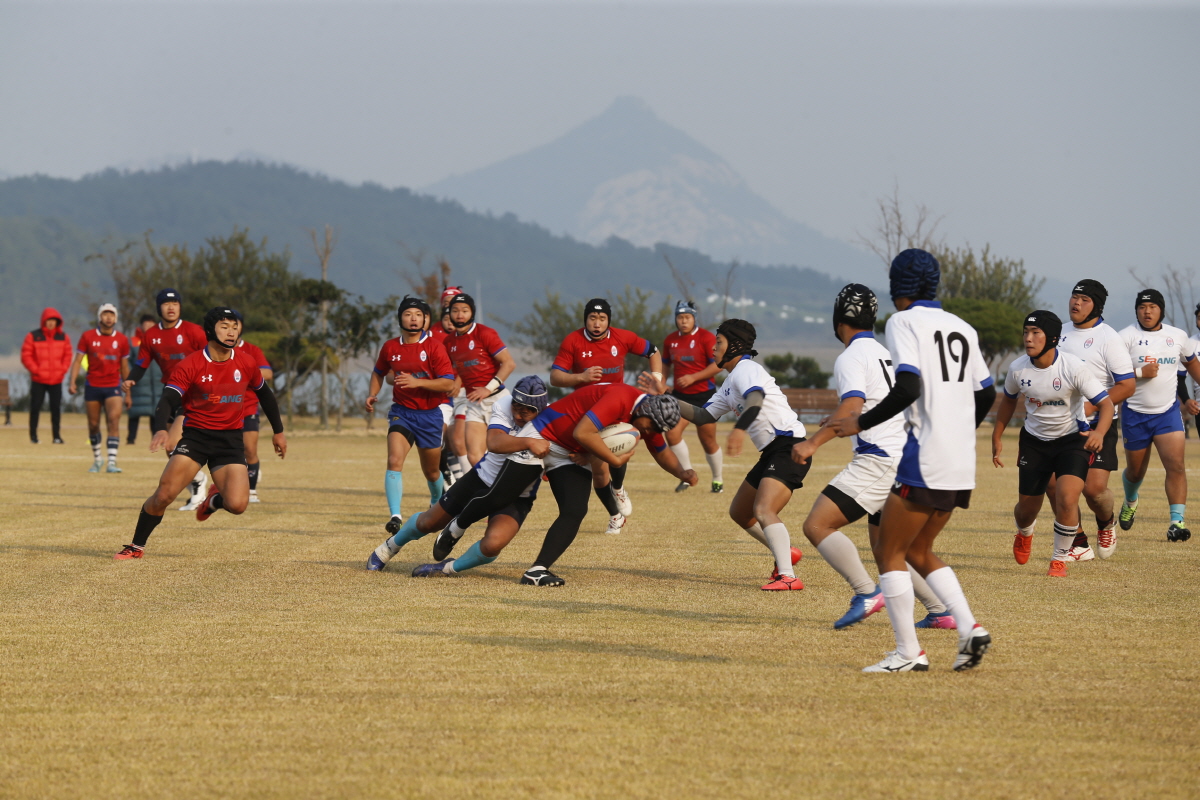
(572,488)
(511,481)
(36,392)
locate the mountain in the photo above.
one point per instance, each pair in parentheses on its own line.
(627,173)
(505,262)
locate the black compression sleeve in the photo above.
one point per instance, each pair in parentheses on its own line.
(1182,390)
(904,393)
(984,399)
(270,407)
(135,373)
(168,404)
(754,402)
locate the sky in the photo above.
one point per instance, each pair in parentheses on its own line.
(1065,134)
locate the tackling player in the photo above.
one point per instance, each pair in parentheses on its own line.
(482,362)
(250,424)
(423,376)
(107,351)
(763,412)
(863,375)
(595,355)
(1094,341)
(168,344)
(1161,354)
(688,351)
(1056,439)
(209,388)
(945,390)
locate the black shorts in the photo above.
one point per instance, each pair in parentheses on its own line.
(214,448)
(849,507)
(470,499)
(696,399)
(775,461)
(250,423)
(937,499)
(1038,460)
(1106,459)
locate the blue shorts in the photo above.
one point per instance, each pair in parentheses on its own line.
(98,394)
(424,426)
(1138,429)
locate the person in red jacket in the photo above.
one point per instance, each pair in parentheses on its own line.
(46,353)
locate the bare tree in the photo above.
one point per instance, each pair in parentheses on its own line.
(895,230)
(727,286)
(1179,289)
(427,285)
(324,251)
(683,281)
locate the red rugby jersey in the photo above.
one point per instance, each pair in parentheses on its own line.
(578,353)
(440,333)
(426,359)
(473,353)
(104,354)
(253,350)
(214,392)
(689,354)
(604,404)
(170,346)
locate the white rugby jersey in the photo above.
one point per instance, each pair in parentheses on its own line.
(1172,348)
(776,417)
(1054,396)
(944,352)
(864,369)
(502,419)
(1102,349)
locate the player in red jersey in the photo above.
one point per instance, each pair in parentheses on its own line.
(107,351)
(250,422)
(210,387)
(451,466)
(483,363)
(689,351)
(423,376)
(595,354)
(572,425)
(168,344)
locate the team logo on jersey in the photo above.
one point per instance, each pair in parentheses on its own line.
(614,350)
(1026,382)
(206,378)
(1170,342)
(424,356)
(237,375)
(1143,342)
(156,341)
(114,344)
(692,343)
(1088,343)
(471,345)
(1057,384)
(179,338)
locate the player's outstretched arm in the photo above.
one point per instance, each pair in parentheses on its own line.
(695,414)
(573,380)
(849,407)
(905,391)
(667,460)
(1003,415)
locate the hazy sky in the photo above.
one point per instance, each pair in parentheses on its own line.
(1064,134)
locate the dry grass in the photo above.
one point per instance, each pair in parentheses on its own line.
(255,657)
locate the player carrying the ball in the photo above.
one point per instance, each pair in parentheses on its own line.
(209,388)
(107,352)
(688,352)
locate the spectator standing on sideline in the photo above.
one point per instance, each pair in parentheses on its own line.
(145,394)
(46,353)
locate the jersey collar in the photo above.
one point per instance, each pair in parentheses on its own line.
(591,338)
(1095,324)
(861,335)
(468,331)
(102,333)
(178,322)
(925,304)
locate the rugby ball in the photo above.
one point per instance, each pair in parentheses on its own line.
(620,438)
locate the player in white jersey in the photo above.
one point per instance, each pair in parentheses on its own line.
(1161,354)
(1057,440)
(944,388)
(1105,354)
(863,376)
(774,429)
(1195,340)
(502,488)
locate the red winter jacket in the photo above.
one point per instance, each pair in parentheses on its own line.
(47,354)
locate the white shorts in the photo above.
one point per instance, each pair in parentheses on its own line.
(480,411)
(447,413)
(868,480)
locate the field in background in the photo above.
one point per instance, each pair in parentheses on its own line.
(254,656)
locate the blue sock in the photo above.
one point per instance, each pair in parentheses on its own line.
(474,557)
(436,490)
(408,533)
(1131,488)
(393,487)
(1177,510)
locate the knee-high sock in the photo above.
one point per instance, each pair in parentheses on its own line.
(1177,512)
(756,533)
(252,474)
(781,547)
(1064,540)
(1131,488)
(464,464)
(716,462)
(94,438)
(681,452)
(605,493)
(926,595)
(898,593)
(618,475)
(113,443)
(841,554)
(945,585)
(436,489)
(393,489)
(474,557)
(145,526)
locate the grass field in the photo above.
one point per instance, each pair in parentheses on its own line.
(254,656)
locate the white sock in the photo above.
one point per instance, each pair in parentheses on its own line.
(945,585)
(781,547)
(926,595)
(1064,539)
(1027,531)
(715,462)
(841,554)
(455,530)
(898,592)
(756,532)
(681,452)
(464,464)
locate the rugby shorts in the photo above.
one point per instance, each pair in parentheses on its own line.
(98,394)
(865,482)
(477,411)
(214,448)
(1038,459)
(937,499)
(1138,429)
(775,461)
(420,425)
